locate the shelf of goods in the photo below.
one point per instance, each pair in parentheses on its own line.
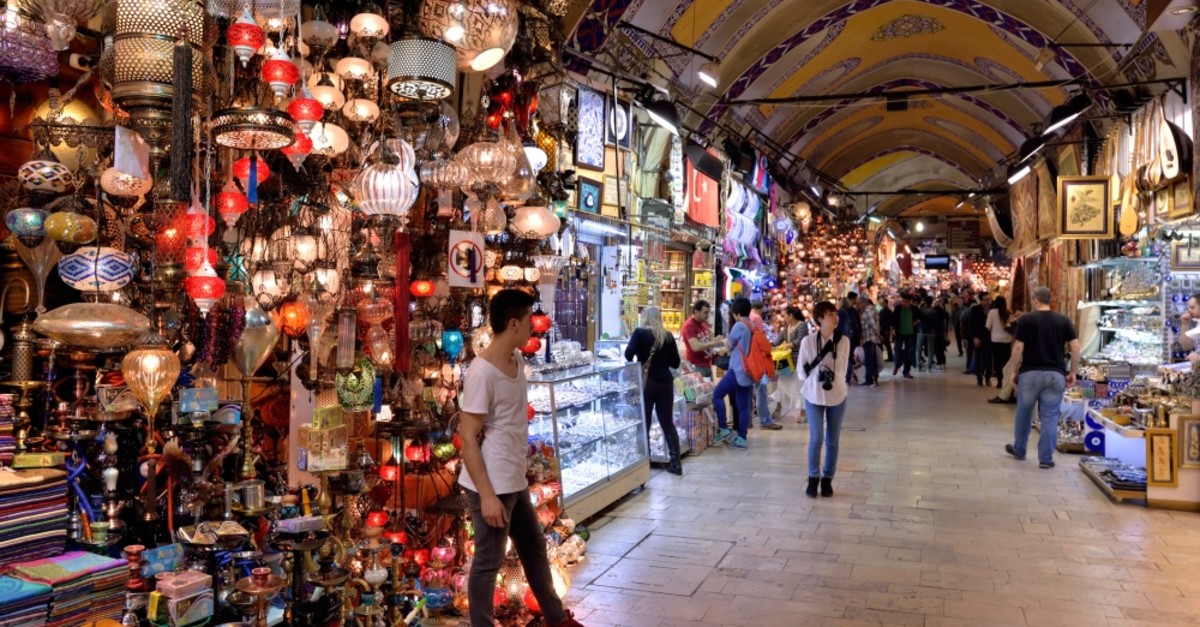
(593,415)
(1126,313)
(693,416)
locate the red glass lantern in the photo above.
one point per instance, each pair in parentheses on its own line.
(377,518)
(195,256)
(541,323)
(293,318)
(530,413)
(390,470)
(241,169)
(197,225)
(420,557)
(417,453)
(299,150)
(531,601)
(170,243)
(245,36)
(499,596)
(421,288)
(280,73)
(306,110)
(396,537)
(231,204)
(532,346)
(205,287)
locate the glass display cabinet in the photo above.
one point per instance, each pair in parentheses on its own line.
(593,414)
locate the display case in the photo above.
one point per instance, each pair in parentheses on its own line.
(593,414)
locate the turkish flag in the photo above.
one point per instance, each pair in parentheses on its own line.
(703,197)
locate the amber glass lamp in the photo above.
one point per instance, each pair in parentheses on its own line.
(150,370)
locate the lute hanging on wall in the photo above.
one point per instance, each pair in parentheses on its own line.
(1175,150)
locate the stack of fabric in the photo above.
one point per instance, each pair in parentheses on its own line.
(23,603)
(8,443)
(86,587)
(33,513)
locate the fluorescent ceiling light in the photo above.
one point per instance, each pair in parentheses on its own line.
(710,74)
(1019,174)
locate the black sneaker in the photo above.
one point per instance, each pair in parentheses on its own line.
(1045,464)
(1008,448)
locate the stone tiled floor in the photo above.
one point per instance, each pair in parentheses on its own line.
(932,525)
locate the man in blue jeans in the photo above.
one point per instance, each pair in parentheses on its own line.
(1039,346)
(735,381)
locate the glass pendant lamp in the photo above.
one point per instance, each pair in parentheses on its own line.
(481,31)
(150,370)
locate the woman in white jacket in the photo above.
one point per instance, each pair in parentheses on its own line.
(822,355)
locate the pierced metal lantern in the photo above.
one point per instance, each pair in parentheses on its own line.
(481,31)
(146,32)
(420,68)
(253,128)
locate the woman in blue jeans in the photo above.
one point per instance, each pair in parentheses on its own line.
(735,381)
(822,355)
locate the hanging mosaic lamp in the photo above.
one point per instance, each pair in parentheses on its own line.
(197,225)
(196,256)
(44,173)
(299,150)
(481,31)
(70,227)
(96,269)
(28,224)
(231,204)
(279,73)
(305,110)
(421,68)
(245,37)
(205,287)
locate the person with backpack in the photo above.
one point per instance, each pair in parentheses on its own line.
(749,361)
(824,355)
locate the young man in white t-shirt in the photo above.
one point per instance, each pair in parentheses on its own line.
(494,430)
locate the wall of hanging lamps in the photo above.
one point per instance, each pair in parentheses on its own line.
(262,306)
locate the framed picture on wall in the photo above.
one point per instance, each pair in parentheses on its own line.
(589,141)
(590,195)
(619,130)
(1084,208)
(1189,441)
(1181,199)
(1185,256)
(1162,202)
(1162,458)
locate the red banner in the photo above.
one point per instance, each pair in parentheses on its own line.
(703,197)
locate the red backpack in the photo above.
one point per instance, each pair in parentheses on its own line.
(759,362)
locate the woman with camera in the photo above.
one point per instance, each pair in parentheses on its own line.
(822,355)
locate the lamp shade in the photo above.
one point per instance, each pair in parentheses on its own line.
(245,37)
(305,110)
(481,31)
(280,73)
(664,114)
(253,128)
(205,287)
(329,140)
(299,150)
(96,269)
(370,25)
(486,162)
(420,68)
(143,41)
(354,69)
(385,189)
(27,222)
(231,204)
(534,222)
(150,370)
(196,256)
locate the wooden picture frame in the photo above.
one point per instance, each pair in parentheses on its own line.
(591,195)
(1162,203)
(618,127)
(1185,258)
(1162,458)
(1181,199)
(1085,209)
(589,140)
(1189,441)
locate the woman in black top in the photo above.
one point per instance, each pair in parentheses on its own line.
(655,349)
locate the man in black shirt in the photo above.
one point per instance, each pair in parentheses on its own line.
(981,338)
(1042,374)
(886,323)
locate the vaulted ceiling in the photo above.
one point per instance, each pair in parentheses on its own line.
(772,49)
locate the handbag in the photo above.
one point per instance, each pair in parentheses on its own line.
(785,364)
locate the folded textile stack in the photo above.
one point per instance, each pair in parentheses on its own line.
(86,587)
(8,443)
(23,603)
(33,513)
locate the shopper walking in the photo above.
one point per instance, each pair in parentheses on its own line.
(698,341)
(870,339)
(735,382)
(956,322)
(981,339)
(964,329)
(906,336)
(1041,339)
(927,329)
(494,402)
(655,349)
(886,325)
(788,394)
(762,397)
(824,354)
(998,322)
(850,324)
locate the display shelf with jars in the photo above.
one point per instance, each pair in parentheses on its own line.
(594,417)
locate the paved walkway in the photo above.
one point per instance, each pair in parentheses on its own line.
(932,525)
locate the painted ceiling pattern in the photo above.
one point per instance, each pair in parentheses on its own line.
(800,48)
